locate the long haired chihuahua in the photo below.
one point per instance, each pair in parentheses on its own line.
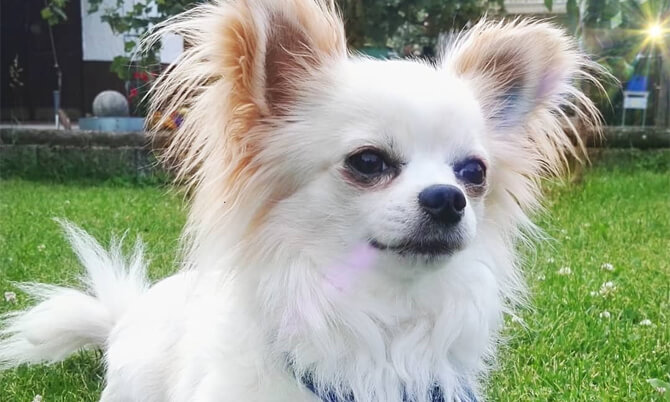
(354,223)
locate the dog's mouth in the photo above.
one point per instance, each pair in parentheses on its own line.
(424,247)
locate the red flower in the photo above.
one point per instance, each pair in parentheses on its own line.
(132,94)
(141,75)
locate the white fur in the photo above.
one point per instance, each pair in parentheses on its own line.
(68,319)
(280,279)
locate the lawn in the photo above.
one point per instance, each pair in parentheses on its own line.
(598,329)
(32,248)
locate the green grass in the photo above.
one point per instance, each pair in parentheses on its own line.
(32,248)
(563,351)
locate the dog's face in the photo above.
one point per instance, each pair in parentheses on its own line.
(300,148)
(414,163)
(393,156)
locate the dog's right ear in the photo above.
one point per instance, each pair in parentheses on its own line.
(268,48)
(244,62)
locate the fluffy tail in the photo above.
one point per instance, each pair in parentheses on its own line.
(67,319)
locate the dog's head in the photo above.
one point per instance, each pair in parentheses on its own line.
(295,146)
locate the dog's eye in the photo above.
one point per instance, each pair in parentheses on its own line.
(471,171)
(368,163)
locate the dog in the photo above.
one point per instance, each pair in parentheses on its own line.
(354,223)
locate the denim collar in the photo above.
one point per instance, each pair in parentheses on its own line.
(436,394)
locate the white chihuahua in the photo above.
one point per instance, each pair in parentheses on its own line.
(354,222)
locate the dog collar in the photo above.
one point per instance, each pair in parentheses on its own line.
(330,396)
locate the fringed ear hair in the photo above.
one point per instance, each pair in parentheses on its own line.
(269,47)
(245,62)
(524,74)
(517,67)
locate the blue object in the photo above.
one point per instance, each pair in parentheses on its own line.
(637,83)
(330,396)
(383,53)
(112,123)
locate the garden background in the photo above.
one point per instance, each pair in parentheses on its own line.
(598,329)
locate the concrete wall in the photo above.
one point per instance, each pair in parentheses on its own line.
(63,155)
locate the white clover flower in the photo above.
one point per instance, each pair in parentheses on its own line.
(607,289)
(605,314)
(37,398)
(41,247)
(550,260)
(661,390)
(10,297)
(607,267)
(593,293)
(645,323)
(565,271)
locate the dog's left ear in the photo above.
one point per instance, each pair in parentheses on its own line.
(516,68)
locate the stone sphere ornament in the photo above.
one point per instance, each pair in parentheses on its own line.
(110,104)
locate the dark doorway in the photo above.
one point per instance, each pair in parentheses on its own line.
(26,93)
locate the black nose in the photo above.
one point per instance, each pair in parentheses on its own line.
(442,202)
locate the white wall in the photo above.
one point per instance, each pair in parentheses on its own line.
(99,43)
(534,7)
